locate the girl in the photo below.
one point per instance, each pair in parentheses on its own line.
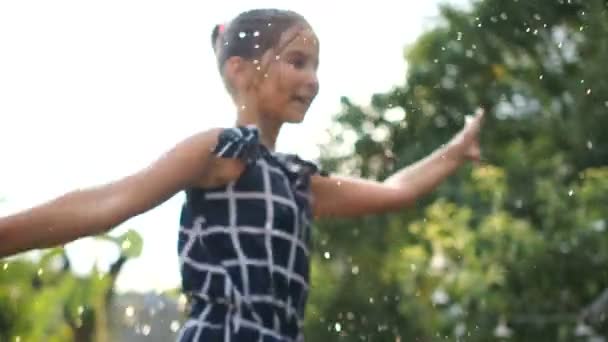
(245,225)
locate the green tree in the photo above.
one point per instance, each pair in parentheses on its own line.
(515,248)
(44,301)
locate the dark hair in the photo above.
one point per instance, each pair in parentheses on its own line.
(252,33)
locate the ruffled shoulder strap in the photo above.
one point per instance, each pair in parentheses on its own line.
(299,166)
(239,143)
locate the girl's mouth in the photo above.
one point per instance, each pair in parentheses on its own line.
(302,99)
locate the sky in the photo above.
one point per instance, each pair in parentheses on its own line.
(91,92)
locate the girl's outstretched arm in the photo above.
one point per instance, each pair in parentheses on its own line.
(346,196)
(95,210)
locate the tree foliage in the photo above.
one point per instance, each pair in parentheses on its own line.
(514,248)
(43,300)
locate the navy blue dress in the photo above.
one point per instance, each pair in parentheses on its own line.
(244,247)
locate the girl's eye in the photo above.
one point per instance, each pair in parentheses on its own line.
(298,63)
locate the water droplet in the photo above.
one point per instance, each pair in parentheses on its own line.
(528,29)
(129,311)
(326,255)
(80,309)
(589,91)
(535,32)
(256,46)
(40,271)
(371,300)
(583,330)
(541,77)
(256,33)
(581,29)
(519,203)
(459,36)
(269,24)
(174,326)
(145,330)
(469,53)
(436,61)
(599,226)
(258,68)
(537,16)
(479,25)
(571,192)
(440,297)
(242,34)
(502,330)
(559,45)
(5,267)
(413,267)
(17,338)
(460,329)
(443,48)
(255,61)
(355,270)
(503,16)
(338,327)
(277,57)
(589,144)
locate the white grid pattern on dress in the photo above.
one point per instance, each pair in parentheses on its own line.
(277,189)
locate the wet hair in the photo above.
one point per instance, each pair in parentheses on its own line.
(252,33)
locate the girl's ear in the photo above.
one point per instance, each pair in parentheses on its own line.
(239,73)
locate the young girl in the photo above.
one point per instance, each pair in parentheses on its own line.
(245,225)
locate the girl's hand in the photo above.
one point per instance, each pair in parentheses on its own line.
(465,145)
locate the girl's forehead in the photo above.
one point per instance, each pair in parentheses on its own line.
(301,35)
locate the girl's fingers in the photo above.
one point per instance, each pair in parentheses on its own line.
(474,119)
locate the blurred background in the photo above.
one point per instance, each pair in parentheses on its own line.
(513,249)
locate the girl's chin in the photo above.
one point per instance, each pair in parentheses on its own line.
(295,117)
(290,115)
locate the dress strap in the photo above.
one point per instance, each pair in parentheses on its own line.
(239,143)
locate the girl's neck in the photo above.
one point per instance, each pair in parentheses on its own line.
(269,130)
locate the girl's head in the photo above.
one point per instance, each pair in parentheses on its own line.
(268,59)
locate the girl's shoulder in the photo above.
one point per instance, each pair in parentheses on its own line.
(231,151)
(238,147)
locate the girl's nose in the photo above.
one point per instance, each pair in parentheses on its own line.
(312,82)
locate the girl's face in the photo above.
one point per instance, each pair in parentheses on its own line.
(287,82)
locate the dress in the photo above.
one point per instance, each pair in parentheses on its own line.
(244,247)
